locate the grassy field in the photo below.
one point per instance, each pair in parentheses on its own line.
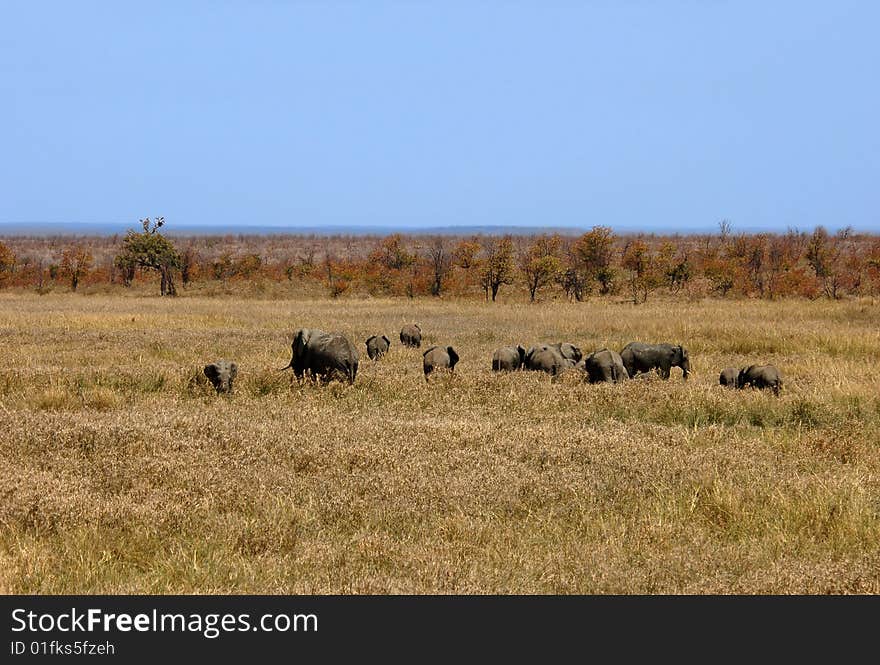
(121,472)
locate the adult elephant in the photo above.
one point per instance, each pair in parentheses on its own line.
(438,358)
(605,365)
(508,358)
(546,358)
(377,346)
(760,376)
(411,335)
(639,358)
(325,356)
(729,377)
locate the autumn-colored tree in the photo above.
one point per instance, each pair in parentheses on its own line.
(638,261)
(247,265)
(540,263)
(824,257)
(591,256)
(439,259)
(466,256)
(390,268)
(189,265)
(76,261)
(7,264)
(498,267)
(672,267)
(151,250)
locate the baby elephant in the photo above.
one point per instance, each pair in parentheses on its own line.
(437,358)
(508,358)
(605,365)
(221,374)
(377,346)
(411,335)
(760,376)
(729,377)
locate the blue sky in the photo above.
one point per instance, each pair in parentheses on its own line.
(640,115)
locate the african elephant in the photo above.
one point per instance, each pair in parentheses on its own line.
(438,358)
(221,374)
(323,355)
(508,358)
(411,335)
(377,346)
(760,376)
(568,351)
(729,377)
(545,358)
(605,365)
(640,358)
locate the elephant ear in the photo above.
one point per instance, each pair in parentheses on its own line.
(233,370)
(521,351)
(370,339)
(453,356)
(387,341)
(301,340)
(211,371)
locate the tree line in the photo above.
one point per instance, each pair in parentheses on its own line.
(598,262)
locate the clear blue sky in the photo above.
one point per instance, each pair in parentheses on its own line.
(657,115)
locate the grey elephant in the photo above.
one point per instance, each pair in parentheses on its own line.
(411,335)
(438,358)
(729,377)
(508,358)
(545,358)
(605,365)
(221,374)
(639,358)
(325,356)
(377,346)
(568,351)
(760,376)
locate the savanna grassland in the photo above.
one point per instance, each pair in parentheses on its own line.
(122,472)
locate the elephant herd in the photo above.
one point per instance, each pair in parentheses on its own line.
(600,366)
(332,356)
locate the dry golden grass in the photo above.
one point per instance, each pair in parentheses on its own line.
(121,471)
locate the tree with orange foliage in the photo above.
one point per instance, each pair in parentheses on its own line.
(391,266)
(824,254)
(540,263)
(7,263)
(439,260)
(591,257)
(466,256)
(75,263)
(639,262)
(498,266)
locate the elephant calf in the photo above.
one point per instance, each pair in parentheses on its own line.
(760,376)
(605,365)
(508,358)
(641,358)
(323,355)
(221,374)
(568,351)
(377,346)
(411,335)
(729,377)
(546,358)
(438,358)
